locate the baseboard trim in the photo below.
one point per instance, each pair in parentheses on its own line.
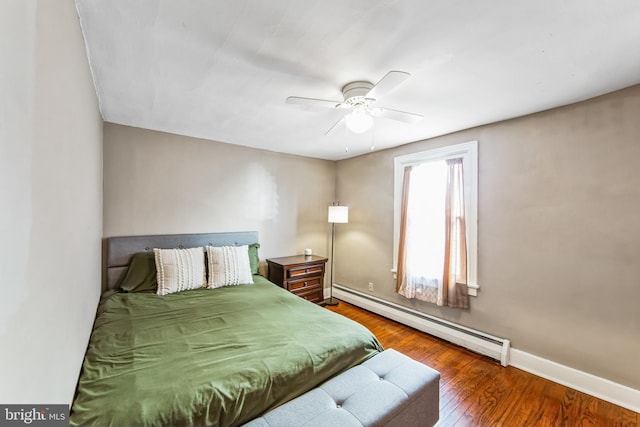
(601,388)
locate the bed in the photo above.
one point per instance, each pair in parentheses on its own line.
(216,357)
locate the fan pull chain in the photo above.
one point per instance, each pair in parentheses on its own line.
(373,145)
(346,138)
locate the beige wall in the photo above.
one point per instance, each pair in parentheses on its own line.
(160,183)
(559,233)
(50,201)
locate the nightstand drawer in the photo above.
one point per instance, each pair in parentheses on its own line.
(315,296)
(305,271)
(295,285)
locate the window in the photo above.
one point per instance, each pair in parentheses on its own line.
(431,192)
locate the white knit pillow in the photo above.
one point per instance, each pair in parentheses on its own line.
(179,269)
(228,265)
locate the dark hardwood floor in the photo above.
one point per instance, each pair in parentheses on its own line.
(477,391)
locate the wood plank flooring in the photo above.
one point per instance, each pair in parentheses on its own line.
(478,391)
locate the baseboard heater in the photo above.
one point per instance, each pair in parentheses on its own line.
(480,342)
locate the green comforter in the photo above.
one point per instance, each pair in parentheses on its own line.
(209,357)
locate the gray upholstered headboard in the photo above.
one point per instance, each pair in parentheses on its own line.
(117,251)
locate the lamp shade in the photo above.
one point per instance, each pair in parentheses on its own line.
(359,121)
(339,214)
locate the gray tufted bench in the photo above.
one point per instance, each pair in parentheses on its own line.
(390,389)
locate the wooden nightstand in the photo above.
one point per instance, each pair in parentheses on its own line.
(300,274)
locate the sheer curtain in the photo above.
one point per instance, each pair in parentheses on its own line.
(432,240)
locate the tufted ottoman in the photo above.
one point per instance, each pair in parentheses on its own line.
(390,389)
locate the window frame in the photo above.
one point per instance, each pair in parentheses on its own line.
(469,153)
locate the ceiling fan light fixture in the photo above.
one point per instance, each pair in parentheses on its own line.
(359,121)
(360,98)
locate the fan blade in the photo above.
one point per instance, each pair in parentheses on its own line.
(312,102)
(335,125)
(389,82)
(401,116)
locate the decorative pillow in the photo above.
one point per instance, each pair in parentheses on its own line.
(254,259)
(228,265)
(141,276)
(179,269)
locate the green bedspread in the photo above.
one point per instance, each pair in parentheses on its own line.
(209,357)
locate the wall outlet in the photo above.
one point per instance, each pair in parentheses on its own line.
(370,286)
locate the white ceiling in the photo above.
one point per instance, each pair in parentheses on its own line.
(221,70)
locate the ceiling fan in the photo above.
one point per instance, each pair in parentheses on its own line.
(359,100)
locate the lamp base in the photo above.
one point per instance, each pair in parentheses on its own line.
(331,301)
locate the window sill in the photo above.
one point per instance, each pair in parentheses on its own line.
(473,289)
